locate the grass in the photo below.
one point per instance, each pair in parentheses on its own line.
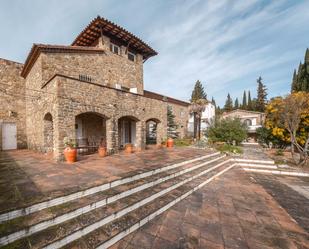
(182,142)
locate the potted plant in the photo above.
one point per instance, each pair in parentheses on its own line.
(102,148)
(169,142)
(70,152)
(128,148)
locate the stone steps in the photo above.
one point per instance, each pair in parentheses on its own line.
(12,214)
(105,235)
(75,212)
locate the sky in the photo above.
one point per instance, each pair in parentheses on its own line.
(226,45)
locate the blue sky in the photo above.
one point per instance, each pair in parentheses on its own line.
(225,44)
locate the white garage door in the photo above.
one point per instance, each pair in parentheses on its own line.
(9,136)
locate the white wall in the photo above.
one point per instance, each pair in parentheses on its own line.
(207,115)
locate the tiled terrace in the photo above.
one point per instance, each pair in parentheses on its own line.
(27,176)
(233,211)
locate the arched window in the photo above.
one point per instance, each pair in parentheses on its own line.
(248,122)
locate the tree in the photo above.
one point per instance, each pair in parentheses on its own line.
(288,119)
(198,98)
(236,104)
(249,104)
(244,101)
(261,95)
(294,86)
(227,130)
(300,80)
(198,92)
(171,124)
(213,101)
(228,103)
(197,108)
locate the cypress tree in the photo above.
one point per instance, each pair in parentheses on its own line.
(307,57)
(244,101)
(294,85)
(236,104)
(249,104)
(305,86)
(261,95)
(213,101)
(300,80)
(228,104)
(198,92)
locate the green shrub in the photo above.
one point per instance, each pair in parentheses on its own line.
(229,148)
(227,130)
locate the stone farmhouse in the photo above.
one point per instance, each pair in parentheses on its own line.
(252,119)
(91,91)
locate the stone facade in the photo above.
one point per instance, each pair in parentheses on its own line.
(89,91)
(12,99)
(105,68)
(253,120)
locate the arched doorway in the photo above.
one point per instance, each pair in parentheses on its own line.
(151,131)
(90,132)
(127,131)
(48,133)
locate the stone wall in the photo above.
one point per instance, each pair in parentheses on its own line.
(42,102)
(181,118)
(75,97)
(64,97)
(243,115)
(103,68)
(12,99)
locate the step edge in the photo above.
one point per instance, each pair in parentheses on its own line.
(142,222)
(10,238)
(71,237)
(66,198)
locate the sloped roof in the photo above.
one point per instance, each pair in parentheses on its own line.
(101,25)
(153,95)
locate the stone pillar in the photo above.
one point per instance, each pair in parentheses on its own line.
(140,135)
(112,135)
(160,133)
(63,127)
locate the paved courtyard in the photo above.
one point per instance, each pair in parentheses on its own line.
(27,176)
(234,211)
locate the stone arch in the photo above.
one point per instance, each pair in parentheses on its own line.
(90,131)
(128,130)
(48,132)
(152,130)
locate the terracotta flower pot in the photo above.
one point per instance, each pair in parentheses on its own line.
(102,151)
(170,143)
(70,155)
(128,148)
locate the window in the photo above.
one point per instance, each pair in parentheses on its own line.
(248,122)
(114,48)
(84,77)
(125,88)
(131,56)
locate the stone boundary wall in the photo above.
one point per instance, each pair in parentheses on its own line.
(12,99)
